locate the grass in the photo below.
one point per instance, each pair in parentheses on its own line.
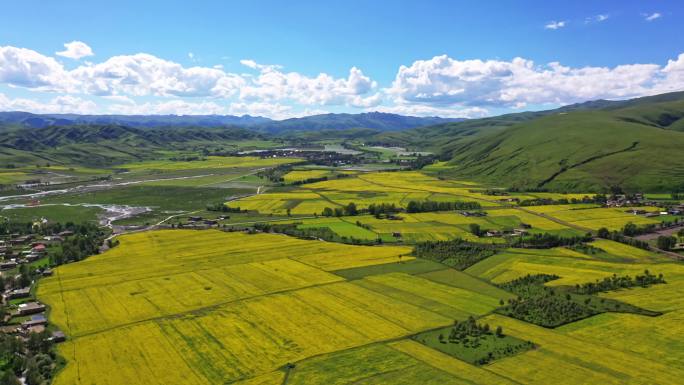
(498,347)
(381,364)
(462,280)
(449,301)
(413,266)
(160,198)
(574,151)
(341,227)
(53,213)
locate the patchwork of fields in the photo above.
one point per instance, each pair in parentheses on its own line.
(365,189)
(197,307)
(228,306)
(232,307)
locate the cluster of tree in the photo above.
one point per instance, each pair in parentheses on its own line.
(34,359)
(428,206)
(455,253)
(599,199)
(616,282)
(547,241)
(416,163)
(378,210)
(547,307)
(222,207)
(324,233)
(348,210)
(471,335)
(86,241)
(310,180)
(587,249)
(187,158)
(528,285)
(617,236)
(555,306)
(23,279)
(469,331)
(665,242)
(677,196)
(275,174)
(495,192)
(632,230)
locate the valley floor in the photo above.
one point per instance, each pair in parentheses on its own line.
(236,305)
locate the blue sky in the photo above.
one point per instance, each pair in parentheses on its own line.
(282,59)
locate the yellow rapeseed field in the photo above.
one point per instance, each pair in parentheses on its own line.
(207,163)
(154,274)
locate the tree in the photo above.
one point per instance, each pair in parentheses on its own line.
(630,229)
(350,209)
(8,378)
(603,233)
(665,242)
(680,233)
(475,229)
(327,212)
(499,331)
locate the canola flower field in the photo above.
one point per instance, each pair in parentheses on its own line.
(198,307)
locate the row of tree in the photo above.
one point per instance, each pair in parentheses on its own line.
(618,236)
(430,206)
(547,241)
(616,282)
(455,253)
(224,208)
(380,209)
(599,199)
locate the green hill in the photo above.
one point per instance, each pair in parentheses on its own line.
(636,144)
(103,145)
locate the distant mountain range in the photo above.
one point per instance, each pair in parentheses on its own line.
(635,144)
(373,120)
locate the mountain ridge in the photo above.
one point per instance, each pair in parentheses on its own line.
(373,120)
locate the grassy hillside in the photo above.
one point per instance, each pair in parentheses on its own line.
(635,144)
(105,145)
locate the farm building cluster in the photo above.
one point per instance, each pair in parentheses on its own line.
(23,315)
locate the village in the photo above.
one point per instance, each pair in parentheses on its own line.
(25,259)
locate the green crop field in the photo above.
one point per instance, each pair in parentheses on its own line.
(54,213)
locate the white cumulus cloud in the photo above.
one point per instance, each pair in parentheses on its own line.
(443,81)
(76,50)
(273,84)
(64,104)
(23,67)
